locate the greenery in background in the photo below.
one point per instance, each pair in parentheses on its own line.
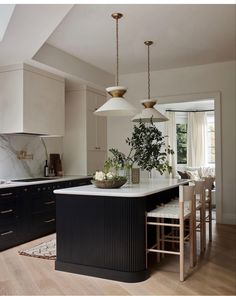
(147,149)
(181,135)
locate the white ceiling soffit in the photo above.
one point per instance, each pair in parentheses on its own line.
(195,105)
(6,11)
(28,29)
(184,35)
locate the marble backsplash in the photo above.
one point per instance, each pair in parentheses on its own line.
(13,168)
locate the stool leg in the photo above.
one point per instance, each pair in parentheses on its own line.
(202,222)
(146,249)
(158,240)
(193,241)
(210,217)
(162,237)
(203,225)
(181,249)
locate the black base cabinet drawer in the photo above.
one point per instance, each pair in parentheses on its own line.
(8,236)
(43,223)
(29,212)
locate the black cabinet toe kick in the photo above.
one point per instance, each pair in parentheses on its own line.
(122,276)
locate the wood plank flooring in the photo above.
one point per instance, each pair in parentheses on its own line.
(214,275)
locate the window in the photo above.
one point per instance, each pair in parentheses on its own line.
(181,137)
(210,139)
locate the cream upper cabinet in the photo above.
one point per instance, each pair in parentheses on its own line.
(85,141)
(96,125)
(32,101)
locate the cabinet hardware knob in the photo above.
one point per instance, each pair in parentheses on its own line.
(6,211)
(6,233)
(49,221)
(6,194)
(49,202)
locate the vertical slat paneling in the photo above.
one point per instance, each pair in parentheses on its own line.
(124,234)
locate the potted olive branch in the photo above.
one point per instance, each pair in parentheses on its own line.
(147,149)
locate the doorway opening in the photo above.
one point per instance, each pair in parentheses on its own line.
(208,103)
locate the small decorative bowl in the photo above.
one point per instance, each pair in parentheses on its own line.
(106,184)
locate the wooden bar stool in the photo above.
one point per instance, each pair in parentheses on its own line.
(180,213)
(208,185)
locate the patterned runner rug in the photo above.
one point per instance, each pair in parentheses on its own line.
(45,250)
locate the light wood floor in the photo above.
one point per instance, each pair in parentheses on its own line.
(214,275)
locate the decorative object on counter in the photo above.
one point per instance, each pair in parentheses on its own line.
(23,155)
(149,111)
(108,180)
(135,175)
(46,169)
(117,105)
(45,250)
(121,163)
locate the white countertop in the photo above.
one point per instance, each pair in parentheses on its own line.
(50,180)
(146,187)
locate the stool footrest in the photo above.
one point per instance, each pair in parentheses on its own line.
(164,252)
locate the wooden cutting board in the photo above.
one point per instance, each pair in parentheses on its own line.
(55,162)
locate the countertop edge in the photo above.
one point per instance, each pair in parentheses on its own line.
(84,190)
(60,179)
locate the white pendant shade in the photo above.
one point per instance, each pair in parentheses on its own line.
(116,106)
(147,114)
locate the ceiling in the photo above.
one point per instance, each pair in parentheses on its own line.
(184,35)
(25,32)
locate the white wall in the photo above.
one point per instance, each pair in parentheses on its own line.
(198,79)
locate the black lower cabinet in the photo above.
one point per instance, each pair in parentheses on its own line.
(29,212)
(101,236)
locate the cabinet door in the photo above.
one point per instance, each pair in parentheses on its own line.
(95,161)
(101,126)
(91,131)
(96,125)
(101,130)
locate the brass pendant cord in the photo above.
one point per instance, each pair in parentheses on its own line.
(148,43)
(117,53)
(149,72)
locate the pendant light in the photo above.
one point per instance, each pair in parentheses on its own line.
(149,112)
(116,105)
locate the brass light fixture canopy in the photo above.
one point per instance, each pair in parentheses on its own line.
(117,15)
(148,43)
(149,112)
(116,105)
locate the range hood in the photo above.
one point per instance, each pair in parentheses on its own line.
(32,101)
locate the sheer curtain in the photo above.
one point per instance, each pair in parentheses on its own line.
(197,142)
(171,140)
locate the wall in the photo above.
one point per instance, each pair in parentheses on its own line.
(13,168)
(198,79)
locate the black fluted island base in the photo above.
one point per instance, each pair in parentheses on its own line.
(104,236)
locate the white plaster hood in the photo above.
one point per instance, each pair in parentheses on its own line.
(32,101)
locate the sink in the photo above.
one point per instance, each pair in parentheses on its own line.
(33,179)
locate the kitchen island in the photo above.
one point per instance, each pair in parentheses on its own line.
(101,232)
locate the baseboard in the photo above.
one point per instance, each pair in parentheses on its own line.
(229,219)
